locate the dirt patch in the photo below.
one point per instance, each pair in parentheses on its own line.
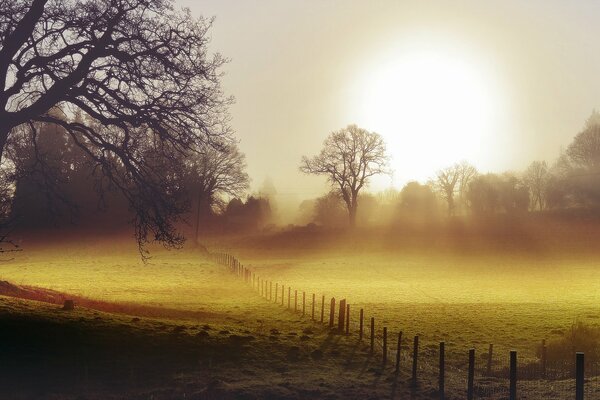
(58,298)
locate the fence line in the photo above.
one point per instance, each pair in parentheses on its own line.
(484,377)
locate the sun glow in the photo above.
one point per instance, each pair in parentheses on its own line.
(433,107)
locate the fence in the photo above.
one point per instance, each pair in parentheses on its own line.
(476,374)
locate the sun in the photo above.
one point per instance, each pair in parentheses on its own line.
(434,107)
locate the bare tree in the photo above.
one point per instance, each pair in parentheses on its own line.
(466,174)
(446,183)
(536,178)
(138,68)
(349,158)
(213,175)
(452,180)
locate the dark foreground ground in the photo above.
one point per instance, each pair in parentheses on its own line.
(48,353)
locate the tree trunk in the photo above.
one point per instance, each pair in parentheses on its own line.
(352,215)
(3,138)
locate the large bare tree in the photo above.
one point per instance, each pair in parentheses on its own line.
(349,158)
(138,68)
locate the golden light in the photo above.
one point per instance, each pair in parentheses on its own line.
(434,107)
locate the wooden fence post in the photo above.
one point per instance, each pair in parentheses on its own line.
(372,334)
(579,369)
(398,350)
(313,307)
(471,378)
(282,294)
(303,303)
(489,360)
(289,297)
(323,309)
(544,353)
(360,324)
(295,300)
(331,312)
(513,376)
(270,290)
(415,359)
(442,377)
(384,352)
(347,319)
(342,316)
(276,290)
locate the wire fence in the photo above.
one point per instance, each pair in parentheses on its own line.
(472,373)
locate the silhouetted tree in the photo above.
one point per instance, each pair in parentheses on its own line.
(536,179)
(349,158)
(417,200)
(138,68)
(579,166)
(249,215)
(466,173)
(212,176)
(491,193)
(329,210)
(452,180)
(445,182)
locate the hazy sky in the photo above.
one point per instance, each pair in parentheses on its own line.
(497,83)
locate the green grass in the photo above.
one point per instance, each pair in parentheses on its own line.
(242,347)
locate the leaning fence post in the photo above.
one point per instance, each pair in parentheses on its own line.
(313,307)
(398,349)
(489,360)
(471,374)
(384,355)
(415,359)
(331,312)
(442,376)
(372,334)
(513,375)
(579,369)
(347,319)
(323,309)
(342,316)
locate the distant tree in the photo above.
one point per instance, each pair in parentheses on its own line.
(580,166)
(212,176)
(491,193)
(452,180)
(536,178)
(446,182)
(349,158)
(252,214)
(417,200)
(466,173)
(138,68)
(329,210)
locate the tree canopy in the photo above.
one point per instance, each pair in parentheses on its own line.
(139,70)
(349,158)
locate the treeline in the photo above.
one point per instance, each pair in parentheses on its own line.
(49,181)
(572,182)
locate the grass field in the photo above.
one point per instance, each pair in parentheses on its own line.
(237,345)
